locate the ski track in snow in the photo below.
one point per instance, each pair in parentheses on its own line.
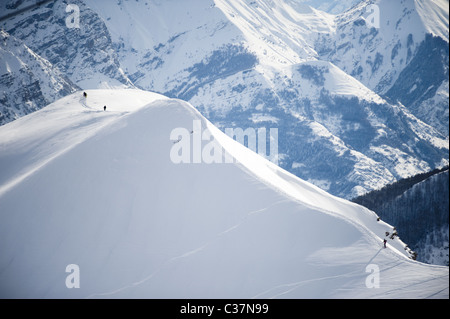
(295,285)
(186,254)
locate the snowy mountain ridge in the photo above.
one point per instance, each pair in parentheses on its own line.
(246,229)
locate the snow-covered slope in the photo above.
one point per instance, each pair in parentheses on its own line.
(330,6)
(404,56)
(375,55)
(100,189)
(159,41)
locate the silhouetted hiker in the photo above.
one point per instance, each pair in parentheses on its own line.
(85,94)
(384,243)
(104,108)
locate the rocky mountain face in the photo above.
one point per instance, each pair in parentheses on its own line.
(27,81)
(81,48)
(353,110)
(423,84)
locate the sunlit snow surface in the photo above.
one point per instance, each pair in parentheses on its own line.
(79,185)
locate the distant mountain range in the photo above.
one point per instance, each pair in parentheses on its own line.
(356,106)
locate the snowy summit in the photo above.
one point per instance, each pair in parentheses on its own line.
(96,193)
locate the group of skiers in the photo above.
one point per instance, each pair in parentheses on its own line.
(85,96)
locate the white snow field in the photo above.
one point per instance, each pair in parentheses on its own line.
(100,190)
